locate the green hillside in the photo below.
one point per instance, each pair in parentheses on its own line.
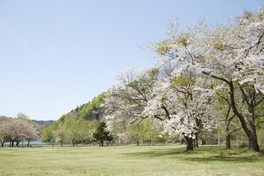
(90,111)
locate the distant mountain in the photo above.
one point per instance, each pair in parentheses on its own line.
(43,122)
(4,117)
(39,122)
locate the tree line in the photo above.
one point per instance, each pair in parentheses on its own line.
(75,131)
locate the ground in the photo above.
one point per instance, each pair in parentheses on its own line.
(129,160)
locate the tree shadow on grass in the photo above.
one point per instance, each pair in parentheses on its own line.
(161,153)
(203,154)
(237,159)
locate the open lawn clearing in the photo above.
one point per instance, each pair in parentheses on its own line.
(129,160)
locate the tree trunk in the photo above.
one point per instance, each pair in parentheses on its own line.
(252,138)
(11,144)
(137,142)
(28,143)
(102,143)
(183,141)
(253,143)
(218,138)
(227,133)
(203,141)
(189,143)
(3,141)
(196,144)
(228,141)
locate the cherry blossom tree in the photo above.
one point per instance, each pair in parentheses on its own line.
(17,130)
(186,108)
(234,56)
(182,94)
(129,97)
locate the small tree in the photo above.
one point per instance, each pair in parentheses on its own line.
(102,134)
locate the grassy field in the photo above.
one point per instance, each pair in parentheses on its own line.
(129,160)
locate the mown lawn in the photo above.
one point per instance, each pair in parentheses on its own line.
(129,160)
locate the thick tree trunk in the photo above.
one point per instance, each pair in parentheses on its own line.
(102,143)
(252,138)
(189,143)
(253,143)
(28,143)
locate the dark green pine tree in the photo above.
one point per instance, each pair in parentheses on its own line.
(102,134)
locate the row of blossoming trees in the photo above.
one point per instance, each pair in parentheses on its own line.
(206,77)
(17,130)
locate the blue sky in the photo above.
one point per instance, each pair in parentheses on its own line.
(58,54)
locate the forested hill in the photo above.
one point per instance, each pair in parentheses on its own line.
(90,111)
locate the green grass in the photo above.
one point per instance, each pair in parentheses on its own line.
(129,160)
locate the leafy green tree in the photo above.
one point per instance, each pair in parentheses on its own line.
(134,132)
(72,129)
(60,133)
(86,130)
(144,131)
(47,134)
(102,134)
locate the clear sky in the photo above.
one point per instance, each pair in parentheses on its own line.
(58,54)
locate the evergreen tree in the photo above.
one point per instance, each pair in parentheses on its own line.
(102,134)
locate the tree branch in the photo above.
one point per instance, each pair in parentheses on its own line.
(237,129)
(166,111)
(216,77)
(244,95)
